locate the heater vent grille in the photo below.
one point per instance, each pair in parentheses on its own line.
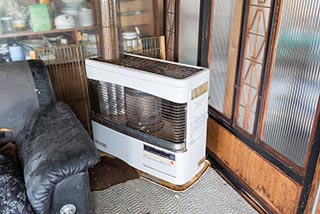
(150,65)
(140,111)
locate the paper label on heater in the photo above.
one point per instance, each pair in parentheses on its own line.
(198,125)
(160,156)
(159,159)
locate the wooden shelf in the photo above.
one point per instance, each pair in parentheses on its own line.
(140,19)
(31,33)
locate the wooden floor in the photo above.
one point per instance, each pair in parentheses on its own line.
(110,171)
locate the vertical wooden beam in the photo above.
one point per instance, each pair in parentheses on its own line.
(205,33)
(162,47)
(176,30)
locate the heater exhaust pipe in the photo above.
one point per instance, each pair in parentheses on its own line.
(108,23)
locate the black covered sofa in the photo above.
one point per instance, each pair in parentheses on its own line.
(54,151)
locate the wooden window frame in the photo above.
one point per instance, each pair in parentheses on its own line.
(262,114)
(253,140)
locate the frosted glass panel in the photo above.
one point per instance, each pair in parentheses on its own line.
(295,82)
(226,21)
(189,31)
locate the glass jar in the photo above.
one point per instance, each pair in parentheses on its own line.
(19,24)
(85,15)
(4,53)
(6,23)
(130,41)
(16,52)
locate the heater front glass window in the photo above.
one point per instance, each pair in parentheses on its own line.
(139,111)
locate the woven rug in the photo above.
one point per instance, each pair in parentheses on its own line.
(210,194)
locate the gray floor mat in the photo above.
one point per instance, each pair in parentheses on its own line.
(210,194)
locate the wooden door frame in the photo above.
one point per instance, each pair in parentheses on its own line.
(304,179)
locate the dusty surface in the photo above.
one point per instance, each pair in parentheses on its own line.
(110,171)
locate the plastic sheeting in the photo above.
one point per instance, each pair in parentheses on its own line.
(18,95)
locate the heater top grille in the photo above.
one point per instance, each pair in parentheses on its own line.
(155,66)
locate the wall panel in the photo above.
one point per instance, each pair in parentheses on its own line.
(266,181)
(313,191)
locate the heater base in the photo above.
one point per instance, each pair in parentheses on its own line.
(175,167)
(176,187)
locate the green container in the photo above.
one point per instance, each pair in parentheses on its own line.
(39,17)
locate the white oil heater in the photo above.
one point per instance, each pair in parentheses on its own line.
(152,114)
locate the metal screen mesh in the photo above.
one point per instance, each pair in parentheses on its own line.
(295,82)
(170,27)
(68,76)
(138,110)
(151,47)
(153,66)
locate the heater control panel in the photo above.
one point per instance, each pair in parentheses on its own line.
(159,160)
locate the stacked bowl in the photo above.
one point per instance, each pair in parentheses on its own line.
(80,10)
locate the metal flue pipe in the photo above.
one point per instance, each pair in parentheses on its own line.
(108,23)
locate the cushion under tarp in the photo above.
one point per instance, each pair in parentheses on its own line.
(54,146)
(13,199)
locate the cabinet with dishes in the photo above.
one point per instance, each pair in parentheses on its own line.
(27,25)
(142,27)
(141,14)
(62,34)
